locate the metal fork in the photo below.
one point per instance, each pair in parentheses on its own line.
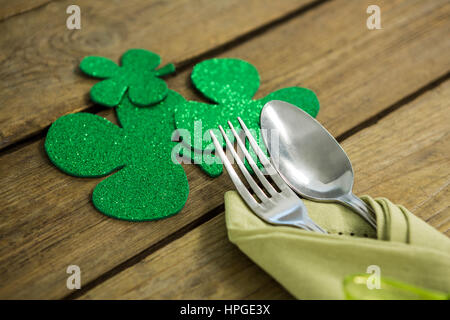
(282,207)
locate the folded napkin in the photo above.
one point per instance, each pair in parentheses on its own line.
(313,266)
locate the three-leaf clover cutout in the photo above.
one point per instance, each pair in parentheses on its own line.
(231,85)
(137,75)
(145,183)
(144,180)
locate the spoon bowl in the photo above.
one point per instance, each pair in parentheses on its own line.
(308,157)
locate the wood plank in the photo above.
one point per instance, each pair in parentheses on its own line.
(201,265)
(10,8)
(48,221)
(40,56)
(404,157)
(355,72)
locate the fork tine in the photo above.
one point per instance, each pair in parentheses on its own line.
(245,194)
(252,163)
(263,159)
(259,193)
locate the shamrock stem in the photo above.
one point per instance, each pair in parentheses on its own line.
(167,69)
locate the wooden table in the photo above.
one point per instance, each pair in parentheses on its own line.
(384,94)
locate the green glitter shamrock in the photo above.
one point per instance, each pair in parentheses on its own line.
(145,183)
(137,75)
(231,84)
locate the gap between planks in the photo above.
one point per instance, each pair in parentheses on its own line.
(146,252)
(357,146)
(219,209)
(189,63)
(369,98)
(29,5)
(94,109)
(395,106)
(181,66)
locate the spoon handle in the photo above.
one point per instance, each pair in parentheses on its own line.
(360,207)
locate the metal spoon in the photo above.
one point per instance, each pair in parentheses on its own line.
(308,158)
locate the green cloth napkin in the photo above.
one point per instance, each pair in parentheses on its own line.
(313,266)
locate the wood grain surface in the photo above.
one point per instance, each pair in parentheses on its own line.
(409,26)
(10,8)
(404,157)
(48,221)
(39,57)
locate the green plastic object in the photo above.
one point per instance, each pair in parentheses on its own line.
(356,288)
(137,75)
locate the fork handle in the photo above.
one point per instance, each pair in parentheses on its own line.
(310,225)
(317,228)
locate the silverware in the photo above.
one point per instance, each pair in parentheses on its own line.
(282,207)
(308,158)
